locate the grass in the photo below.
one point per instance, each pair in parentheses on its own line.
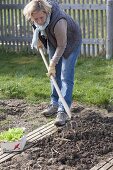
(23,76)
(94,81)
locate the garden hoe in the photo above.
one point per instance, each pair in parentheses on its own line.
(56,86)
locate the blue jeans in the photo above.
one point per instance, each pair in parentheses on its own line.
(64,77)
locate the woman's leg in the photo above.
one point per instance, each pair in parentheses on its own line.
(67,77)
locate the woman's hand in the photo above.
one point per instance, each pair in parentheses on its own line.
(40,45)
(51,69)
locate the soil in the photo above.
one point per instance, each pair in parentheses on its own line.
(79,145)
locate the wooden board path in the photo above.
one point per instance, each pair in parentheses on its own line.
(104,165)
(32,137)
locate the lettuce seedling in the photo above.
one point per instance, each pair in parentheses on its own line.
(13,134)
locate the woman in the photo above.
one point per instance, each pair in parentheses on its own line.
(62,37)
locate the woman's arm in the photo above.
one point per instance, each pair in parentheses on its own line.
(60,32)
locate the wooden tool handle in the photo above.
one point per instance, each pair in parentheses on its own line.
(67,109)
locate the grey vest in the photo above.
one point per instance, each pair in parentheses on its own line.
(73,30)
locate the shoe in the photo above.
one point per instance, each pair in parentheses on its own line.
(50,111)
(61,119)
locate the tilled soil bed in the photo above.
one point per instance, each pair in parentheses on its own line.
(79,145)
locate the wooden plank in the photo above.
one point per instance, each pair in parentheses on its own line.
(34,136)
(9,24)
(20,24)
(40,133)
(28,39)
(111,168)
(15,38)
(83,29)
(88,29)
(40,128)
(5,20)
(92,29)
(93,41)
(107,165)
(102,27)
(12,25)
(11,6)
(84,6)
(74,11)
(101,164)
(96,29)
(25,25)
(101,22)
(79,16)
(1,24)
(16,29)
(64,6)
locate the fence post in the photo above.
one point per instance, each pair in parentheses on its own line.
(109,38)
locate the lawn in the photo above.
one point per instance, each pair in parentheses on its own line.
(23,76)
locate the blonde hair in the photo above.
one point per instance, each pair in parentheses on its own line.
(36,5)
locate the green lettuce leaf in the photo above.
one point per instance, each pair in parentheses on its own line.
(12,134)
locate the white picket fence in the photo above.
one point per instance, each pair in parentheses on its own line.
(16,33)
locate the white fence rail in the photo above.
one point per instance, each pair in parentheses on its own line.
(16,33)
